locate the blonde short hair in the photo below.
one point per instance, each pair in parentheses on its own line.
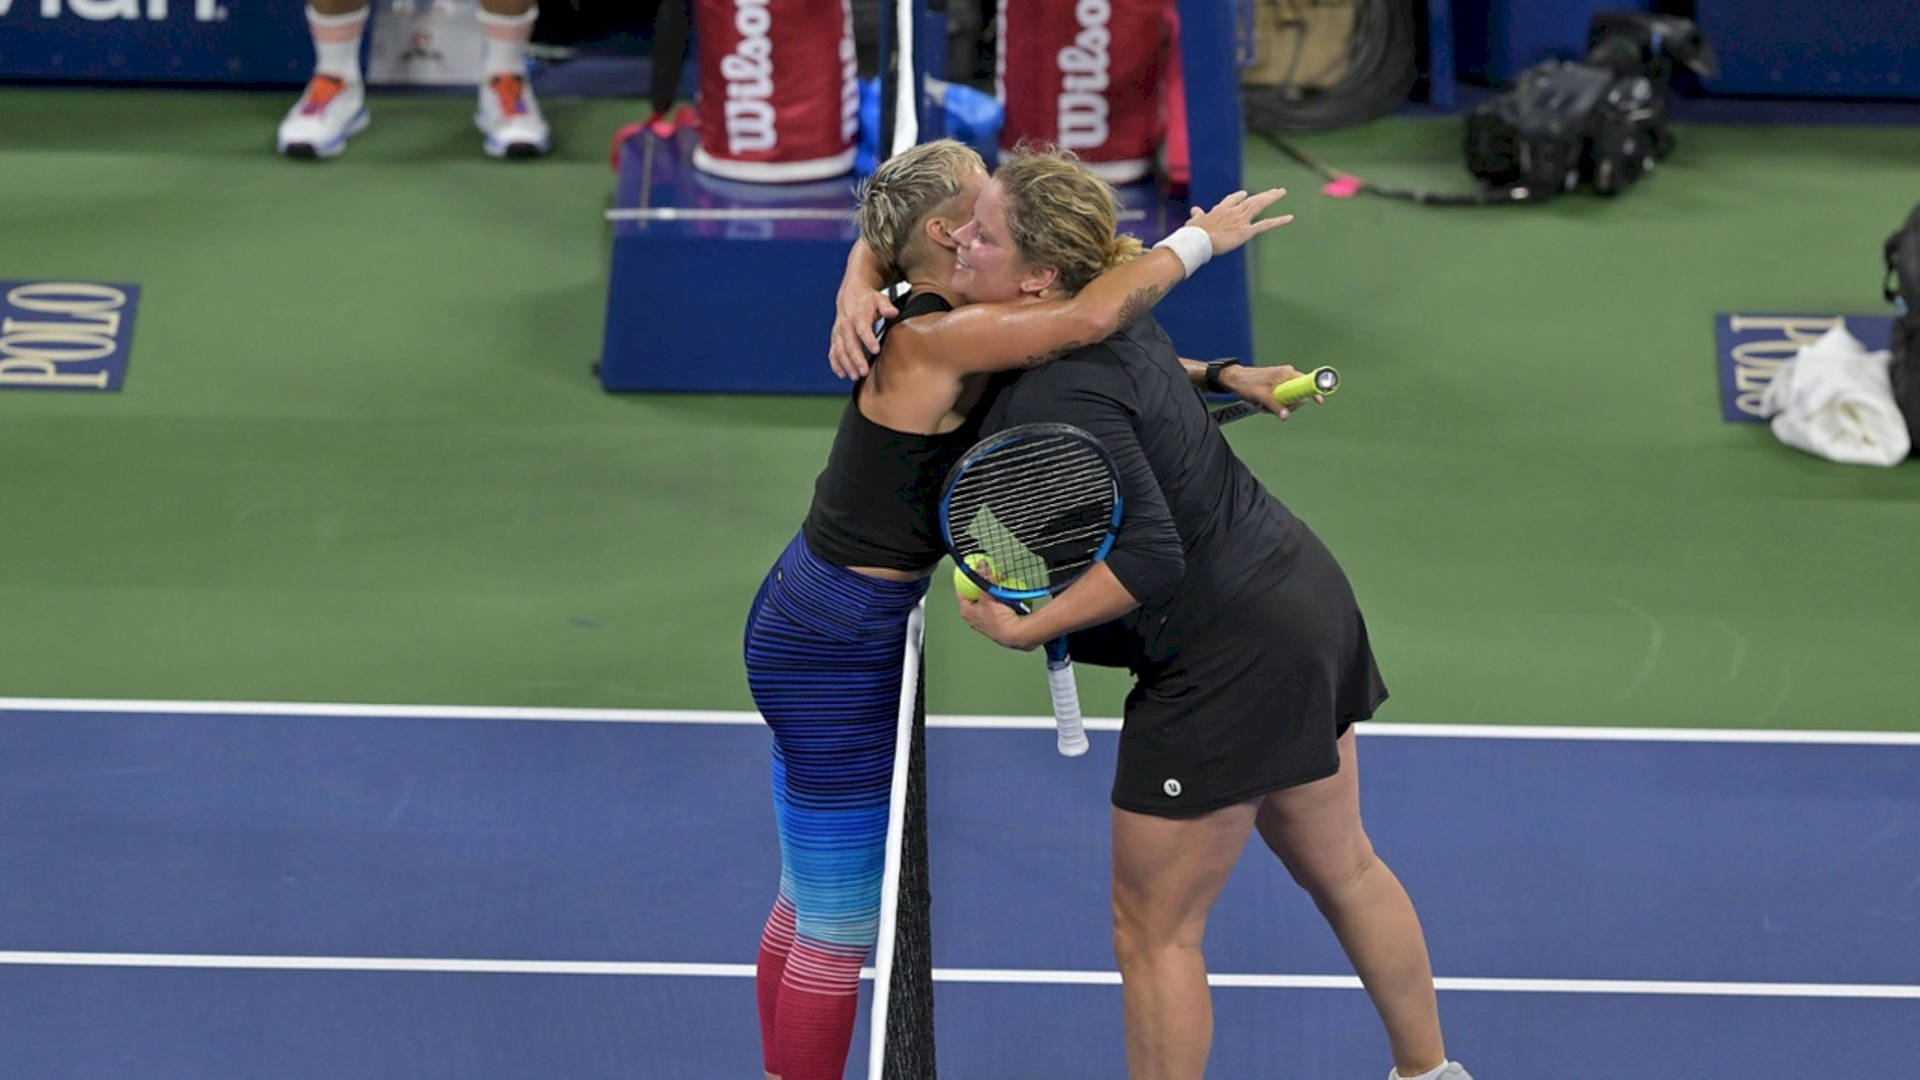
(1061,215)
(905,189)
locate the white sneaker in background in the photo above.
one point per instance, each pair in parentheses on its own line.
(510,118)
(327,114)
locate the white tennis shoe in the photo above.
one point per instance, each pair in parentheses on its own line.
(1453,1070)
(329,112)
(510,118)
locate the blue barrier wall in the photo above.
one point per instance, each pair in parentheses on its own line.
(178,41)
(1784,48)
(1801,48)
(1497,39)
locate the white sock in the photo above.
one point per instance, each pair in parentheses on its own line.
(336,43)
(1434,1074)
(507,37)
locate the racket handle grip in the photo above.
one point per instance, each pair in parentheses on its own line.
(1066,707)
(1320,380)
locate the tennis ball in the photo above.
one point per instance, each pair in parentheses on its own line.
(964,585)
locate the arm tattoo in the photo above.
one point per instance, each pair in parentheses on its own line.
(1135,305)
(1139,302)
(1040,358)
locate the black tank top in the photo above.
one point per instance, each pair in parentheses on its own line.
(877,502)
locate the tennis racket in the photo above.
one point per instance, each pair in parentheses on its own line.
(1028,510)
(1321,380)
(1025,512)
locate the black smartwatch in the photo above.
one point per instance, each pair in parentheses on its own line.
(1212,379)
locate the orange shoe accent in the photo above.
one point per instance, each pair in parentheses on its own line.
(510,91)
(321,90)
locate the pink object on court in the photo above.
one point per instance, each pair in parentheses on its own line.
(1344,188)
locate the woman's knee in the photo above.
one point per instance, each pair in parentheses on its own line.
(1129,928)
(1128,943)
(1143,923)
(831,868)
(1330,872)
(842,911)
(1135,940)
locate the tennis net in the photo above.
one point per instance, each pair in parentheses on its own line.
(901,1024)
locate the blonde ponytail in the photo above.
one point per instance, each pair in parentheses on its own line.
(1124,249)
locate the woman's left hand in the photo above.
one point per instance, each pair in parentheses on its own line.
(1256,384)
(1235,220)
(997,621)
(855,310)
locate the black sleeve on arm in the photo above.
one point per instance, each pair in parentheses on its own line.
(1147,557)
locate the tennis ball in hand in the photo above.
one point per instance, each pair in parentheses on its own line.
(964,585)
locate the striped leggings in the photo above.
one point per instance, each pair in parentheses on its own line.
(825,648)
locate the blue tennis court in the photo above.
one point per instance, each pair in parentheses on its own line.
(329,891)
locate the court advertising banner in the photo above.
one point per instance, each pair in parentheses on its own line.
(1751,349)
(65,335)
(179,41)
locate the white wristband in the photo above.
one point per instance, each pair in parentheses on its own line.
(1192,244)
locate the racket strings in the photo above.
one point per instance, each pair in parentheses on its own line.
(1038,509)
(1044,452)
(1051,470)
(1033,478)
(1039,517)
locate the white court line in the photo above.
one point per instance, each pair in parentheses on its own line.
(1020,723)
(245,962)
(989,976)
(743,213)
(768,213)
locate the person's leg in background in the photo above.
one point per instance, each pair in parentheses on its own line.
(672,31)
(672,22)
(964,24)
(507,114)
(334,105)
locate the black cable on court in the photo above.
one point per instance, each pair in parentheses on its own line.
(1381,71)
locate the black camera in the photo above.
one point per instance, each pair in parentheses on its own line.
(1598,124)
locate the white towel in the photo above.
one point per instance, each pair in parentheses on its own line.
(1834,399)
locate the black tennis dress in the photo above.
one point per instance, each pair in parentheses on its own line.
(1249,652)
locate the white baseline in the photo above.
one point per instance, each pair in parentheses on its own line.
(241,962)
(978,723)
